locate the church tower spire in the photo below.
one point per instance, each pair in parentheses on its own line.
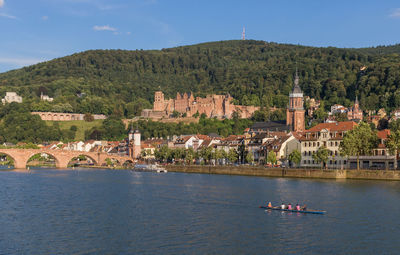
(295,111)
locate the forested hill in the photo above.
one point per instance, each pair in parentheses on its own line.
(253,72)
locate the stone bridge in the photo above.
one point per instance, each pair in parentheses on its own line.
(62,157)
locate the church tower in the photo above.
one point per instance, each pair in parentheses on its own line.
(295,111)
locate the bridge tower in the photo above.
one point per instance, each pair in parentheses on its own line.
(136,144)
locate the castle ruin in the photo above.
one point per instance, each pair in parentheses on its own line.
(219,106)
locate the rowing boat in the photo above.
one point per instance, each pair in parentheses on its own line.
(287,210)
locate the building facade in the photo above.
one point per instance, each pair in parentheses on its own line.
(329,135)
(219,106)
(11,97)
(355,113)
(295,111)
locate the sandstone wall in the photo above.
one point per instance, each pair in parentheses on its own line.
(291,173)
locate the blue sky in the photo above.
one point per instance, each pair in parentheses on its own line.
(32,31)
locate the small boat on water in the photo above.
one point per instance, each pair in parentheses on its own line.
(297,211)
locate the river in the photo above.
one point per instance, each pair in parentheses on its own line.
(93,211)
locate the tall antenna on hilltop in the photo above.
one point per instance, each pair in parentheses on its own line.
(244,34)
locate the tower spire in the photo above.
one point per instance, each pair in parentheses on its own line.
(244,33)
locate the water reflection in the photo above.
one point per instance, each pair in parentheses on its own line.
(125,212)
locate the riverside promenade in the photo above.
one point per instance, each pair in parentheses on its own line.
(388,175)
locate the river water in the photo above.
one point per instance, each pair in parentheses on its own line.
(124,212)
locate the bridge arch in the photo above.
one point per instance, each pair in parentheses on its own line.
(40,157)
(128,163)
(13,161)
(87,156)
(33,153)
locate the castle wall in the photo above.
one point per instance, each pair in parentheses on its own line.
(57,116)
(213,106)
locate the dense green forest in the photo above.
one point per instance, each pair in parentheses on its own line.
(253,72)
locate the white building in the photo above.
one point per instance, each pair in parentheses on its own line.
(329,135)
(11,97)
(46,98)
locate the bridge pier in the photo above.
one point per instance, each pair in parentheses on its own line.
(19,164)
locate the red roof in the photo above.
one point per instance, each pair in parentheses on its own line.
(383,134)
(202,137)
(338,126)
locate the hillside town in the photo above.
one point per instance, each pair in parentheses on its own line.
(272,143)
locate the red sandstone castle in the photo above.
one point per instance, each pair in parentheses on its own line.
(213,106)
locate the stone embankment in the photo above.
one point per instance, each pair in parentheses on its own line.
(290,173)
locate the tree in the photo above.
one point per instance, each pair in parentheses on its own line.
(358,142)
(383,124)
(393,143)
(143,153)
(271,157)
(394,125)
(189,155)
(175,114)
(321,156)
(114,129)
(249,157)
(261,115)
(206,154)
(233,156)
(88,117)
(178,154)
(162,154)
(341,116)
(295,157)
(320,114)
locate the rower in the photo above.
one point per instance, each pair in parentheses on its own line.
(289,207)
(282,206)
(269,205)
(304,208)
(298,207)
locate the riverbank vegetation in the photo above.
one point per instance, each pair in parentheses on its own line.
(205,125)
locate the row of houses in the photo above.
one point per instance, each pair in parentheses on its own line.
(275,137)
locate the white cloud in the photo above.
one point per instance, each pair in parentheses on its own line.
(1,3)
(395,13)
(45,17)
(104,28)
(8,16)
(20,61)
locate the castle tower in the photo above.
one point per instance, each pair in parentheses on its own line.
(159,101)
(295,110)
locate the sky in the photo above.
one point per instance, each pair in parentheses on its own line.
(33,31)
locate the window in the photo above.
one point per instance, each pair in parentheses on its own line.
(335,143)
(305,162)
